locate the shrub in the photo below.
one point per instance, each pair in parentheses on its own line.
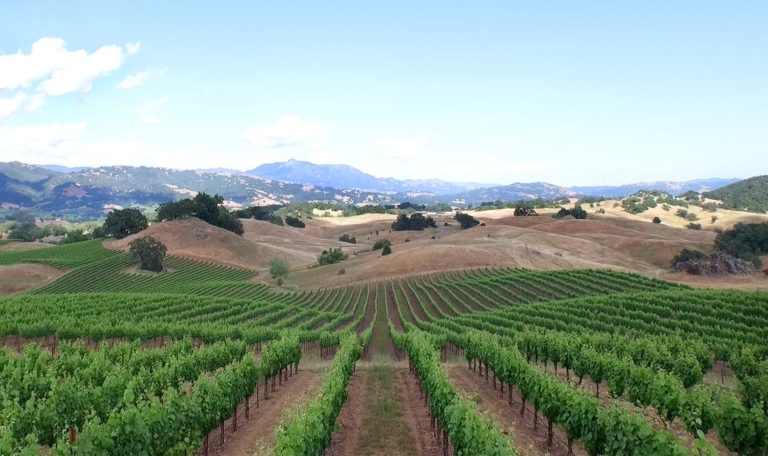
(682,213)
(656,220)
(331,256)
(687,255)
(380,244)
(342,271)
(348,238)
(75,236)
(386,250)
(278,268)
(525,210)
(694,226)
(691,217)
(665,207)
(294,221)
(465,220)
(276,220)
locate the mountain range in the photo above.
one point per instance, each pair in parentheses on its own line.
(87,192)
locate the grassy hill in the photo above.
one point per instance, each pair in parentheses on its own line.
(747,195)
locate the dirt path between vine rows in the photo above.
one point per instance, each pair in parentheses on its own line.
(256,436)
(384,414)
(527,440)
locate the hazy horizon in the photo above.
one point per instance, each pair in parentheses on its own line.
(496,92)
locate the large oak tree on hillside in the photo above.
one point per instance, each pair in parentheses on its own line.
(149,251)
(123,222)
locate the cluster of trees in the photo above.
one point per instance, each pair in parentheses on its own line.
(205,207)
(258,212)
(414,222)
(746,241)
(23,228)
(465,220)
(577,212)
(737,251)
(747,195)
(331,256)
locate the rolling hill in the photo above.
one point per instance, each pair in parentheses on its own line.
(747,195)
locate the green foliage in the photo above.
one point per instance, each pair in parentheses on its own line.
(746,195)
(258,212)
(656,220)
(75,236)
(414,222)
(26,231)
(469,432)
(525,210)
(294,221)
(577,212)
(381,243)
(745,240)
(386,250)
(634,205)
(278,268)
(309,429)
(694,226)
(347,238)
(124,222)
(682,213)
(331,256)
(276,220)
(687,255)
(466,221)
(203,206)
(149,251)
(691,217)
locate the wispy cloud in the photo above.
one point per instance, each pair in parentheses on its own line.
(133,48)
(287,131)
(134,80)
(148,110)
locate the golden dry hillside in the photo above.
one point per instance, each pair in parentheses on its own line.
(543,243)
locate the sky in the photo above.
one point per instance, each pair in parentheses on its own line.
(567,92)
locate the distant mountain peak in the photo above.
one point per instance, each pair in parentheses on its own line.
(346,176)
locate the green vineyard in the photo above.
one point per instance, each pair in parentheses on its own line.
(108,360)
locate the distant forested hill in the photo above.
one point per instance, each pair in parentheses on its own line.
(747,195)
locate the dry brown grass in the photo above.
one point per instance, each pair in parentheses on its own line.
(543,243)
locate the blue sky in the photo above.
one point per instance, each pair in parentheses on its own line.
(571,92)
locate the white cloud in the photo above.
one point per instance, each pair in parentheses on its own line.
(400,147)
(134,80)
(148,110)
(10,105)
(25,140)
(55,70)
(65,144)
(132,48)
(35,102)
(287,131)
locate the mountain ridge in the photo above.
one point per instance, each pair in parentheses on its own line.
(88,191)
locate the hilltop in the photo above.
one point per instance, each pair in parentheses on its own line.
(747,195)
